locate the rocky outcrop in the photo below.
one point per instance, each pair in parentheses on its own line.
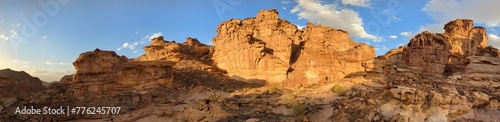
(191,49)
(269,48)
(427,53)
(97,66)
(482,68)
(325,53)
(18,83)
(255,48)
(105,73)
(437,55)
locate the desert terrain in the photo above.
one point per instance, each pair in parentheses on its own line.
(264,68)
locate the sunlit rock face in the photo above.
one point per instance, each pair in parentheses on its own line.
(269,48)
(446,53)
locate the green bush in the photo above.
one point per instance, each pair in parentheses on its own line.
(273,89)
(340,89)
(297,108)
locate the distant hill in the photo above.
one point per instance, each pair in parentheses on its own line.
(18,82)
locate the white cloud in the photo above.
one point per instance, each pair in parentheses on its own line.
(142,41)
(393,37)
(135,51)
(57,63)
(44,37)
(332,15)
(136,32)
(494,40)
(481,11)
(493,37)
(130,46)
(285,1)
(300,27)
(125,45)
(155,35)
(433,28)
(13,33)
(360,3)
(392,15)
(149,37)
(408,34)
(22,62)
(18,24)
(381,48)
(284,8)
(3,37)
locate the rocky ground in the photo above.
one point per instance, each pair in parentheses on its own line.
(265,69)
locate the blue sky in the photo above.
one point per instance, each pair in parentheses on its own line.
(44,37)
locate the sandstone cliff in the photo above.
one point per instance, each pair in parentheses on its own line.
(272,49)
(430,55)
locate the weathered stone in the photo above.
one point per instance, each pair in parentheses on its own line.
(482,67)
(273,49)
(255,48)
(160,49)
(427,52)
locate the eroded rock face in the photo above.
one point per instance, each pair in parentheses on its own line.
(427,53)
(98,62)
(431,54)
(255,48)
(104,73)
(324,53)
(160,49)
(483,68)
(273,49)
(191,49)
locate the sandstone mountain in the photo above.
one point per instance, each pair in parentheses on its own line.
(265,69)
(269,48)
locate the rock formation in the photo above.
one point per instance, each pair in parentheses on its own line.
(18,83)
(453,76)
(439,55)
(427,53)
(269,48)
(169,50)
(482,68)
(324,53)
